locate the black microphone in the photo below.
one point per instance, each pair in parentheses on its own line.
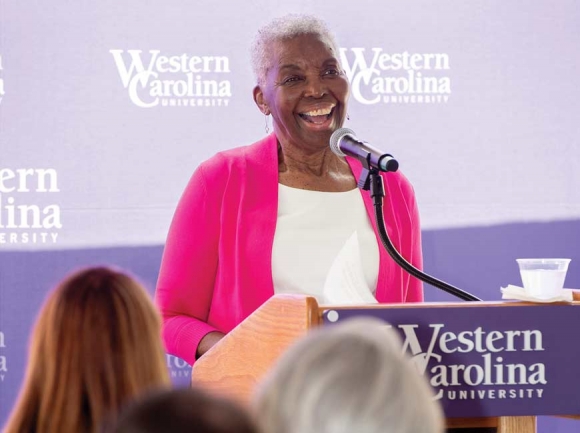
(343,142)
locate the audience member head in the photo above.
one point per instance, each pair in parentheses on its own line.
(345,378)
(95,346)
(187,410)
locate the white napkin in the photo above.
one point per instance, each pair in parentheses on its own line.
(519,293)
(345,282)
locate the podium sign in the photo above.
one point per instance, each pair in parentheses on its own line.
(490,361)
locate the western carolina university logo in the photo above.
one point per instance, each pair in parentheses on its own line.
(396,78)
(490,373)
(23,221)
(180,80)
(178,368)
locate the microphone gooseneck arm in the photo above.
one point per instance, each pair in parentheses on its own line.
(374,182)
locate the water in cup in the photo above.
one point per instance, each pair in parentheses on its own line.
(541,283)
(543,278)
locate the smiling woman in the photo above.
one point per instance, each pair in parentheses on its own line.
(262,219)
(305,91)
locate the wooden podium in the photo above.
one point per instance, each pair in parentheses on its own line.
(239,361)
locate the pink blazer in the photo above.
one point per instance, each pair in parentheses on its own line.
(216,267)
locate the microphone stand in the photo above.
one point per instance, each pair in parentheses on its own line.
(371,180)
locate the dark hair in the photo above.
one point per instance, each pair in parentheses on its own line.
(184,410)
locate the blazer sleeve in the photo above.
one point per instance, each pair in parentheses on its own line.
(188,268)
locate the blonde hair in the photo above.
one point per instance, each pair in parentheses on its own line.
(95,346)
(344,378)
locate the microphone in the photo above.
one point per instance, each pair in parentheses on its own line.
(344,142)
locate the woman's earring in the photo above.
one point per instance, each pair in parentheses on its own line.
(267,128)
(347,116)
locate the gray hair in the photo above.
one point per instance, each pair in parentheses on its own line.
(344,378)
(284,28)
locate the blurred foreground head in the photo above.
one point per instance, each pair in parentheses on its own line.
(187,410)
(345,378)
(95,346)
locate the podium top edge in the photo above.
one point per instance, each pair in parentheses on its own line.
(445,305)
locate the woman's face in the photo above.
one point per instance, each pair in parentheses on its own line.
(305,90)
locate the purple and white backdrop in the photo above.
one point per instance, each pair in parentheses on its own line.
(107,108)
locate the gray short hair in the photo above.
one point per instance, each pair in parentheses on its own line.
(344,378)
(284,28)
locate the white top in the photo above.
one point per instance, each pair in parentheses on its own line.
(319,231)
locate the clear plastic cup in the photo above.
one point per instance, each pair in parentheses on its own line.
(543,278)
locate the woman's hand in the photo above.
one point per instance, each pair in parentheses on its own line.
(208,342)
